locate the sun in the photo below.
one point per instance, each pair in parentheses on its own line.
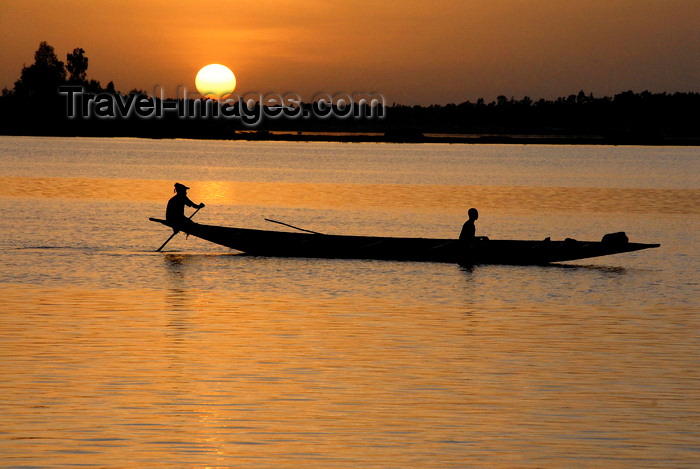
(215,81)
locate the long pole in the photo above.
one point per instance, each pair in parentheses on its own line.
(176,232)
(292,226)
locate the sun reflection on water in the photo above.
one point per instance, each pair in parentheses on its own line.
(332,195)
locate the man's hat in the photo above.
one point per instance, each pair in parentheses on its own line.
(179,187)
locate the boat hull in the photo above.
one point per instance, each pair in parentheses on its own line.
(315,245)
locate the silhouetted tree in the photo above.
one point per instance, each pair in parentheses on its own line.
(137,92)
(41,79)
(77,65)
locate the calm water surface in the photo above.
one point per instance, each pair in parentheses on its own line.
(113,355)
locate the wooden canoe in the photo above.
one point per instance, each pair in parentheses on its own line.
(317,245)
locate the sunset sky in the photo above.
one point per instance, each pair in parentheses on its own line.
(411,51)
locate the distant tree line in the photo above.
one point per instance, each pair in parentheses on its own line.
(641,116)
(35,107)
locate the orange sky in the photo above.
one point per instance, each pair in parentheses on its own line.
(411,51)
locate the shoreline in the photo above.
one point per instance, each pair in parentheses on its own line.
(473,139)
(401,137)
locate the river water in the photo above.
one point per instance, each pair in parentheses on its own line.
(114,355)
